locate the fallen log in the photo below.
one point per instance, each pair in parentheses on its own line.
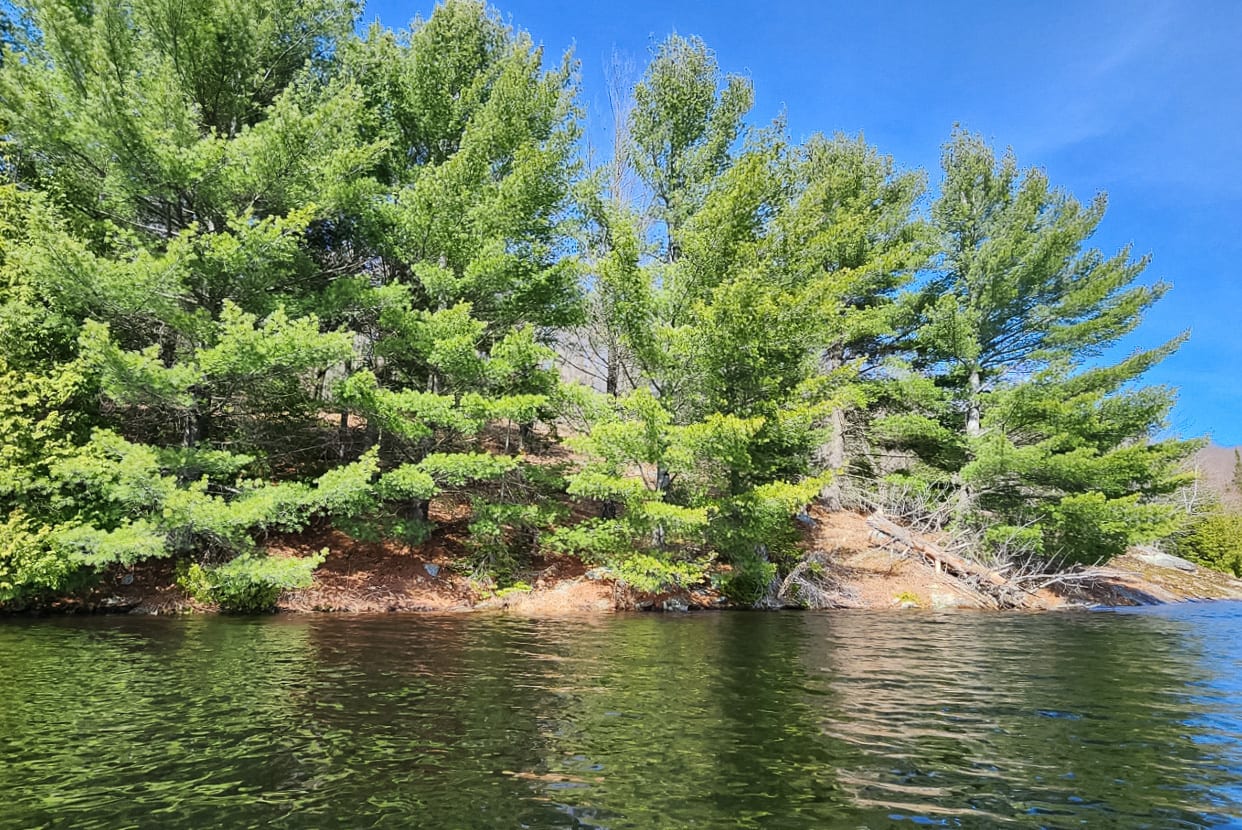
(938,557)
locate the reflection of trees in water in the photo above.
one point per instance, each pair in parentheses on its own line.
(434,718)
(631,728)
(1030,718)
(296,723)
(700,721)
(109,720)
(716,720)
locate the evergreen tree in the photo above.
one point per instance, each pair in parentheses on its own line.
(468,278)
(258,271)
(1039,438)
(849,232)
(725,416)
(276,204)
(174,164)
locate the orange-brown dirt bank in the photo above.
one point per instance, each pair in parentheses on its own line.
(855,569)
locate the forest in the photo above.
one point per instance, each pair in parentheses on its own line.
(264,271)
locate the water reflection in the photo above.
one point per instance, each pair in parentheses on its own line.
(740,720)
(1052,720)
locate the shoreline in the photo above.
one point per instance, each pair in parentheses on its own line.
(855,570)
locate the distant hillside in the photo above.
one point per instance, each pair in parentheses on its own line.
(1216,465)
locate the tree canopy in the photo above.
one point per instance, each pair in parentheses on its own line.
(262,272)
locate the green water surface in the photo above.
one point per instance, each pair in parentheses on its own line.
(843,720)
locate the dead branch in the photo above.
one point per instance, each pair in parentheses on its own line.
(938,557)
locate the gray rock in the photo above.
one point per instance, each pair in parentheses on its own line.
(1164,560)
(598,573)
(675,604)
(941,602)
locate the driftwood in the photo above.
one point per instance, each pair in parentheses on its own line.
(938,557)
(990,588)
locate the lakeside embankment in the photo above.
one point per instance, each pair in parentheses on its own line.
(853,566)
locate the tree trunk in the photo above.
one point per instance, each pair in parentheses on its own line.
(834,459)
(611,374)
(973,415)
(342,434)
(663,480)
(831,455)
(610,509)
(197,424)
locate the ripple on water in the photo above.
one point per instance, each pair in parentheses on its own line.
(742,720)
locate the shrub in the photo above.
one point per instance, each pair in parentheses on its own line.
(1215,541)
(249,584)
(748,582)
(650,574)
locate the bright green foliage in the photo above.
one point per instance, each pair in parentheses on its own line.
(1038,439)
(685,123)
(247,383)
(725,312)
(230,221)
(30,563)
(478,140)
(459,469)
(651,575)
(260,273)
(849,233)
(173,167)
(503,534)
(249,585)
(113,502)
(1214,540)
(678,489)
(466,281)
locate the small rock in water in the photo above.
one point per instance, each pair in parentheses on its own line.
(432,570)
(676,604)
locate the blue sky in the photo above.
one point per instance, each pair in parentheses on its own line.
(1142,100)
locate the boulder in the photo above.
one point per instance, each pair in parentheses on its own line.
(1164,560)
(944,601)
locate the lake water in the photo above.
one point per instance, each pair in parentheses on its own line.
(842,720)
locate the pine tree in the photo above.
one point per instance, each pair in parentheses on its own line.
(726,411)
(243,216)
(849,231)
(1040,439)
(175,164)
(468,280)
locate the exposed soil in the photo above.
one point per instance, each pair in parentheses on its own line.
(361,576)
(854,569)
(870,574)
